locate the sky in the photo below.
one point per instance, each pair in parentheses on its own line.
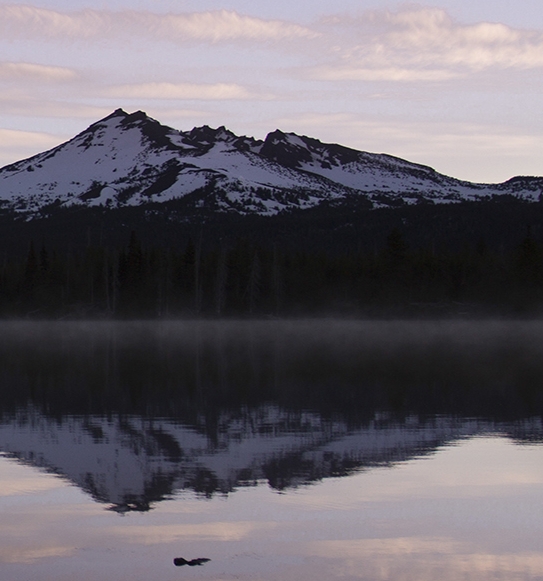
(453,84)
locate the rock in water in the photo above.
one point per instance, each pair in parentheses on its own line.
(181,562)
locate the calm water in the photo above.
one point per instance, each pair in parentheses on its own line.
(277,450)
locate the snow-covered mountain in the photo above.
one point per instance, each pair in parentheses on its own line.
(131,159)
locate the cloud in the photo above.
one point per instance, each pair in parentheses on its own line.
(31,71)
(193,91)
(16,138)
(228,25)
(16,145)
(328,73)
(479,152)
(26,103)
(212,26)
(422,44)
(411,44)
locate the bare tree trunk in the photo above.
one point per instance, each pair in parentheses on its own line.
(276,282)
(222,275)
(115,283)
(107,284)
(254,283)
(197,283)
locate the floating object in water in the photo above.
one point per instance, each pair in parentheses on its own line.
(180,562)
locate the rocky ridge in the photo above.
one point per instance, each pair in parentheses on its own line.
(132,160)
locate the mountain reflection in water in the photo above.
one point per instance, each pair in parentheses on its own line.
(134,412)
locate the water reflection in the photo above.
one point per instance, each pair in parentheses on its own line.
(401,450)
(130,462)
(134,412)
(471,511)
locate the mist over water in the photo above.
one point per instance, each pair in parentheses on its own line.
(472,368)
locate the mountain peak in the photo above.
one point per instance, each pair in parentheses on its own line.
(125,118)
(136,116)
(117,113)
(206,134)
(287,149)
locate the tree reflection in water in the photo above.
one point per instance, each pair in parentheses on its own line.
(133,412)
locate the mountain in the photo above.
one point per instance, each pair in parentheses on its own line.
(128,160)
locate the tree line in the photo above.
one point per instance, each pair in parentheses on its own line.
(243,279)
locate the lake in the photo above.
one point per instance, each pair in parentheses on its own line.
(271,450)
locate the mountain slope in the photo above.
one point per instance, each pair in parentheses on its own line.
(131,159)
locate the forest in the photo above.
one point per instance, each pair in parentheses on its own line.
(246,279)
